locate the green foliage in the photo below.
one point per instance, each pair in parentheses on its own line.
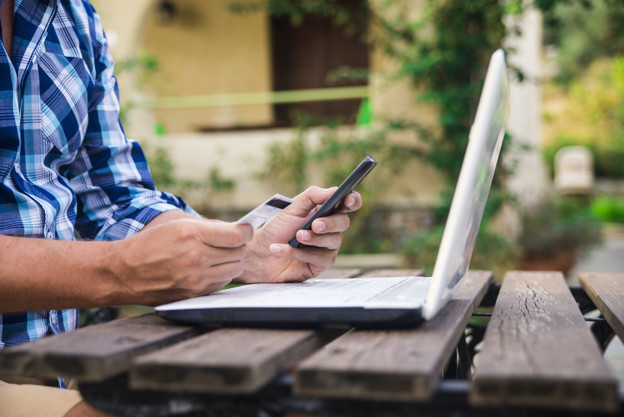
(141,67)
(582,31)
(218,182)
(287,162)
(593,116)
(161,166)
(558,225)
(444,52)
(492,251)
(607,209)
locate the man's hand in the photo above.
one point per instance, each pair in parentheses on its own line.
(271,259)
(180,258)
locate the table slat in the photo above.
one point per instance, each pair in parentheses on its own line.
(538,350)
(392,365)
(224,361)
(92,353)
(607,292)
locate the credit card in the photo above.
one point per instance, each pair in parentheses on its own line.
(258,216)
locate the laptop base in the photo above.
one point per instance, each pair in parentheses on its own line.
(300,317)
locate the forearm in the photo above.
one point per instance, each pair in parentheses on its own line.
(175,256)
(40,274)
(168,216)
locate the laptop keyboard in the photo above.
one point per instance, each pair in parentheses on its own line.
(412,290)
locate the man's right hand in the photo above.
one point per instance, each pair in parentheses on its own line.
(179,258)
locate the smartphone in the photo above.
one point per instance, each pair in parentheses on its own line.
(334,202)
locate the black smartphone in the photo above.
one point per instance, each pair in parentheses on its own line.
(334,202)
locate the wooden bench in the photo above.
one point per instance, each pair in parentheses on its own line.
(539,351)
(538,354)
(607,292)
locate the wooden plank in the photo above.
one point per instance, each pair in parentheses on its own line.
(401,365)
(92,353)
(606,290)
(340,273)
(389,273)
(224,361)
(538,350)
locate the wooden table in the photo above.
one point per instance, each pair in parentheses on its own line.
(538,356)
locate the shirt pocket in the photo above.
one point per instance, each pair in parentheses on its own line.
(65,87)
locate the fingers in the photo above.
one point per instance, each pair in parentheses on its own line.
(314,196)
(220,243)
(352,202)
(218,256)
(330,241)
(336,223)
(216,233)
(281,262)
(181,258)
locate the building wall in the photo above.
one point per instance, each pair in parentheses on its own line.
(206,50)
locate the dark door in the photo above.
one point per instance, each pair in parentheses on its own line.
(305,54)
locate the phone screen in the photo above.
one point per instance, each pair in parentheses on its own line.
(334,202)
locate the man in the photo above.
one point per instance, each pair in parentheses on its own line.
(66,169)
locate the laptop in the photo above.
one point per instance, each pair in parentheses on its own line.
(378,302)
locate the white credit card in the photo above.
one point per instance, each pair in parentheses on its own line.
(258,216)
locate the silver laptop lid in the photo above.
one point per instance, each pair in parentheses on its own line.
(473,185)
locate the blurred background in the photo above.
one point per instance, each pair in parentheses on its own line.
(234,101)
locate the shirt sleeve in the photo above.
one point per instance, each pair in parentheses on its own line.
(116,196)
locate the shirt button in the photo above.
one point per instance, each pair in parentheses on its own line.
(50,235)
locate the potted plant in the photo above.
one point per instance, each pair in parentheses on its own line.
(554,233)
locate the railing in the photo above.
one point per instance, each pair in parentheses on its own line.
(268,97)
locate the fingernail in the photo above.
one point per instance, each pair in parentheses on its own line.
(320,225)
(275,249)
(349,201)
(304,235)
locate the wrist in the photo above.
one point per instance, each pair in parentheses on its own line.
(112,267)
(167,216)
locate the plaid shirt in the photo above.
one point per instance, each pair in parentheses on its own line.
(66,166)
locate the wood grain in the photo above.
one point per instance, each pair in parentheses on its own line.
(392,365)
(538,350)
(224,361)
(92,353)
(607,292)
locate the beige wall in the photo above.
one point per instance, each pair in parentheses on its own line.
(208,50)
(123,22)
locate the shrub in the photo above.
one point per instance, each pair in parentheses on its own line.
(593,117)
(492,252)
(608,209)
(558,225)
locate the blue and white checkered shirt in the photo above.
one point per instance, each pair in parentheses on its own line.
(66,166)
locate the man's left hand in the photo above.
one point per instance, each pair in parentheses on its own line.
(271,259)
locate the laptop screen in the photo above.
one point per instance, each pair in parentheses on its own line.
(473,185)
